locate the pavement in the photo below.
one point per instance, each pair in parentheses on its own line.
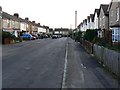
(52,63)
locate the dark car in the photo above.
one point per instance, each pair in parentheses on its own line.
(35,36)
(54,36)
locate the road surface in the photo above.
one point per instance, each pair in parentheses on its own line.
(52,63)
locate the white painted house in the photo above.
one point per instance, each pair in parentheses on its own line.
(91,21)
(88,22)
(23,25)
(41,29)
(81,26)
(85,25)
(96,16)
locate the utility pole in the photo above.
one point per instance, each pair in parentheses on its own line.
(75,19)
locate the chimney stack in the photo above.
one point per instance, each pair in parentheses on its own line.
(27,18)
(38,23)
(33,21)
(16,15)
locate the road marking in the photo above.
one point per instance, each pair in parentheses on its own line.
(83,66)
(65,69)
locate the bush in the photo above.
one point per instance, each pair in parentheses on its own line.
(77,36)
(7,35)
(90,35)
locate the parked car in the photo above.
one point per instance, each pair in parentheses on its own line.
(54,36)
(35,36)
(27,36)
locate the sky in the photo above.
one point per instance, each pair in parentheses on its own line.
(53,13)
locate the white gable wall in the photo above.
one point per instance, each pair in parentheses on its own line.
(96,22)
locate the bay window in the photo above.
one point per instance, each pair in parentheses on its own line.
(115,34)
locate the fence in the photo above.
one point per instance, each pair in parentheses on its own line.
(108,58)
(88,46)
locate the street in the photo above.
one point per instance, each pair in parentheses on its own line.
(52,63)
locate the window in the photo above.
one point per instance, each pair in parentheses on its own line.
(117,14)
(115,34)
(111,13)
(103,20)
(100,21)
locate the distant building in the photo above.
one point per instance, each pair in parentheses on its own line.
(62,31)
(50,31)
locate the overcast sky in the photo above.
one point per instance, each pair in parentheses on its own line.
(53,13)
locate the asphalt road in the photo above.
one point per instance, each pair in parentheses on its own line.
(52,63)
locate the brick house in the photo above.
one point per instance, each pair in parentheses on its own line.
(34,27)
(7,22)
(114,21)
(103,21)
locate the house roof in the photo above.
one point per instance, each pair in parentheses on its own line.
(105,8)
(86,21)
(92,17)
(115,25)
(10,17)
(50,29)
(88,18)
(97,11)
(61,29)
(22,20)
(6,15)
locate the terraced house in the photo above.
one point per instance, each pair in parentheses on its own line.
(16,24)
(88,22)
(7,22)
(114,20)
(103,21)
(91,21)
(96,17)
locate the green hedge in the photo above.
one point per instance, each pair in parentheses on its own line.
(7,35)
(90,34)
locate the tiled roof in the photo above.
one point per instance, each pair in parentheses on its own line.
(50,29)
(6,15)
(88,18)
(61,29)
(97,11)
(105,9)
(92,17)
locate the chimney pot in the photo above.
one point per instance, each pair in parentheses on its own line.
(27,18)
(33,21)
(16,15)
